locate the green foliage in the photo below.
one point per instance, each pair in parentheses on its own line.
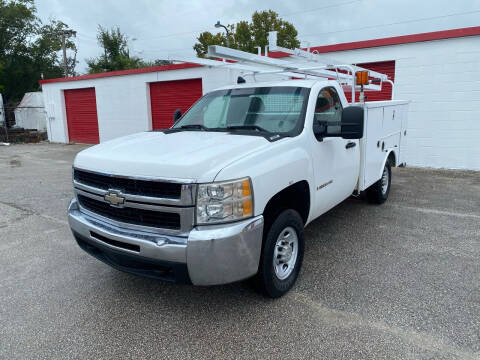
(116,55)
(243,39)
(246,35)
(265,21)
(28,49)
(49,44)
(207,38)
(17,25)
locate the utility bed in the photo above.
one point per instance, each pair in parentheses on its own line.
(385,129)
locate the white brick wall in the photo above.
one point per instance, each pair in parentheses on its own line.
(441,78)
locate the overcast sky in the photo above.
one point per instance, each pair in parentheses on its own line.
(163,27)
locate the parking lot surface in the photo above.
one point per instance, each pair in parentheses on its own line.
(397,281)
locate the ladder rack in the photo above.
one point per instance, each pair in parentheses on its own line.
(299,63)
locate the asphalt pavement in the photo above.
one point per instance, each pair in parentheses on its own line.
(396,281)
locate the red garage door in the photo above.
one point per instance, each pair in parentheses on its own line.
(168,96)
(81,108)
(384,67)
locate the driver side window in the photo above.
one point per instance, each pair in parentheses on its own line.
(328,106)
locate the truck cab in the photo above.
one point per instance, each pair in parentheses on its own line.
(225,193)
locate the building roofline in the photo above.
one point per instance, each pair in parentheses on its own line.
(123,72)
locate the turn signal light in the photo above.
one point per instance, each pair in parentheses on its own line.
(362,77)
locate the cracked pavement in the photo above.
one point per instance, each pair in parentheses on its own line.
(397,281)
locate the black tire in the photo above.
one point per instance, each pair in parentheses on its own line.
(377,194)
(267,280)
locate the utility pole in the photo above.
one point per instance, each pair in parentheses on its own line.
(65,34)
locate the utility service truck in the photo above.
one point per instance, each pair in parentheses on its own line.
(225,194)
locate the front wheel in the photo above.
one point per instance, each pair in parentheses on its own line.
(282,254)
(378,192)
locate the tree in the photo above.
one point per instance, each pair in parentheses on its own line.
(116,55)
(206,39)
(246,36)
(265,21)
(28,49)
(50,43)
(17,24)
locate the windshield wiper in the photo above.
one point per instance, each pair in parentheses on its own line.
(192,126)
(247,127)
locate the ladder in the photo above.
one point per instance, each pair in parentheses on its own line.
(299,64)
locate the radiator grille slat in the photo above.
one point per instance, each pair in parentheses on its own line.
(134,216)
(129,186)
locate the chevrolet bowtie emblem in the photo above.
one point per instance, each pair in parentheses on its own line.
(114,198)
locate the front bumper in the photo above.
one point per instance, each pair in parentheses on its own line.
(207,255)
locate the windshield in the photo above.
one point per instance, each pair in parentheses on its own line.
(267,109)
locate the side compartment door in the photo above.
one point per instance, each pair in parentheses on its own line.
(336,161)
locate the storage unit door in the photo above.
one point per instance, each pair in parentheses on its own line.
(82,121)
(168,96)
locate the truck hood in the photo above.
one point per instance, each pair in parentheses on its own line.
(193,155)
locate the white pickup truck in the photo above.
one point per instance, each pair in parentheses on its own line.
(225,194)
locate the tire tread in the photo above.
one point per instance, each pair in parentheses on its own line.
(266,281)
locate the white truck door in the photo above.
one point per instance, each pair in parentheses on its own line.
(336,161)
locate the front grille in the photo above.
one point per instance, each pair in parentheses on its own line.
(129,186)
(131,215)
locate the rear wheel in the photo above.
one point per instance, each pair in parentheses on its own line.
(282,254)
(378,192)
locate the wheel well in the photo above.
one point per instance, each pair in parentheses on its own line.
(296,196)
(392,159)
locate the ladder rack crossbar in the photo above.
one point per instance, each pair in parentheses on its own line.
(300,64)
(302,54)
(237,55)
(255,60)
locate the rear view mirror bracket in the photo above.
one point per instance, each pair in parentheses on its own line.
(177,114)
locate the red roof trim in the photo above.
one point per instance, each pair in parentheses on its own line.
(123,72)
(396,40)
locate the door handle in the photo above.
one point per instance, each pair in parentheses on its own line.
(350,145)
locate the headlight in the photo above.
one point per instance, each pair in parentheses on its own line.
(224,201)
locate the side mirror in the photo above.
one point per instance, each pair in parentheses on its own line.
(319,129)
(352,122)
(350,127)
(177,114)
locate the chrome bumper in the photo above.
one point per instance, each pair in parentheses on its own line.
(213,255)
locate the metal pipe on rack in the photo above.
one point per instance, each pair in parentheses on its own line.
(352,70)
(393,86)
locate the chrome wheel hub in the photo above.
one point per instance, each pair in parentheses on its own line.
(385,176)
(285,253)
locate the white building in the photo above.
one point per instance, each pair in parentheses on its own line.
(30,113)
(439,72)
